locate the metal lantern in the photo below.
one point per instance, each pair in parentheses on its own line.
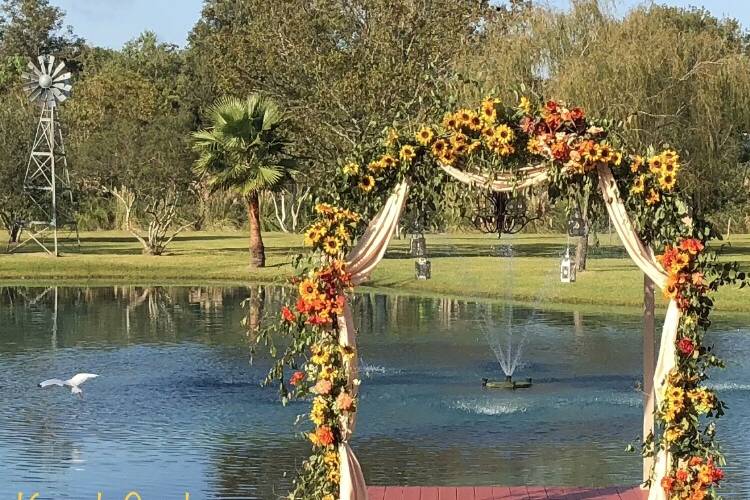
(423,268)
(567,268)
(576,225)
(418,245)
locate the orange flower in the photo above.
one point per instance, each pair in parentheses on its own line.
(287,315)
(692,246)
(296,378)
(324,435)
(667,483)
(681,475)
(323,387)
(344,402)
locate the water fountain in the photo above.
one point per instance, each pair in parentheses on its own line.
(504,351)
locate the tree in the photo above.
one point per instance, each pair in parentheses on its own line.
(130,139)
(16,127)
(29,28)
(244,150)
(345,70)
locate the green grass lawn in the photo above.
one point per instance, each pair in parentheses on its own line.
(463,265)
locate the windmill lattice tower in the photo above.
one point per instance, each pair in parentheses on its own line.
(47,181)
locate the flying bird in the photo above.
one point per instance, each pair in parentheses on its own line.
(73,383)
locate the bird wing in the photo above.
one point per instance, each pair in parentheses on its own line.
(80,378)
(53,381)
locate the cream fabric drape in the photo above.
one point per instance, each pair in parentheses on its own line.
(360,262)
(645,260)
(501,182)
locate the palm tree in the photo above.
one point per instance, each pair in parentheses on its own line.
(243,150)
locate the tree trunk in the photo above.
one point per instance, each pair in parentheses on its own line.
(15,232)
(582,250)
(257,250)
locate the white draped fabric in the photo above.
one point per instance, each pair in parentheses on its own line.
(645,260)
(370,249)
(526,177)
(360,262)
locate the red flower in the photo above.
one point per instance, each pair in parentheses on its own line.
(551,106)
(577,114)
(324,435)
(287,315)
(692,246)
(302,306)
(686,346)
(681,475)
(318,320)
(717,474)
(296,378)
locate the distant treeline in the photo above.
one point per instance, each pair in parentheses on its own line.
(345,71)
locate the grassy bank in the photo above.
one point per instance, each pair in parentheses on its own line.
(463,265)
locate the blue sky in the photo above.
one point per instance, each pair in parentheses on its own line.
(110,23)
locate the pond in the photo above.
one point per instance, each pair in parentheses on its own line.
(178,408)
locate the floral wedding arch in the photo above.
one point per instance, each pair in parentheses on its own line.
(505,149)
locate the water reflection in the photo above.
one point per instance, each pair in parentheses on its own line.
(178,407)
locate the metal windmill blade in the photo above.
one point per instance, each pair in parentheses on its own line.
(47,83)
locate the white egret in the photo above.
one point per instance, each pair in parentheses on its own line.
(73,383)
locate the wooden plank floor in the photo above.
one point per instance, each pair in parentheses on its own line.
(504,493)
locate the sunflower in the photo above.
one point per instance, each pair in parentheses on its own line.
(637,163)
(391,137)
(331,245)
(450,121)
(606,153)
(489,114)
(448,156)
(388,161)
(308,290)
(504,134)
(475,123)
(670,156)
(464,117)
(670,167)
(312,236)
(439,147)
(375,166)
(525,105)
(351,168)
(618,158)
(667,181)
(458,139)
(655,163)
(425,135)
(343,233)
(474,146)
(407,153)
(367,183)
(639,185)
(653,197)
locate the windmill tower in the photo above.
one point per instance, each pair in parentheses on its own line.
(47,181)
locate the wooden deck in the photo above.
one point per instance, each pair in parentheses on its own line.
(503,493)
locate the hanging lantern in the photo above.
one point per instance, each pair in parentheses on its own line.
(423,268)
(567,268)
(576,226)
(418,245)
